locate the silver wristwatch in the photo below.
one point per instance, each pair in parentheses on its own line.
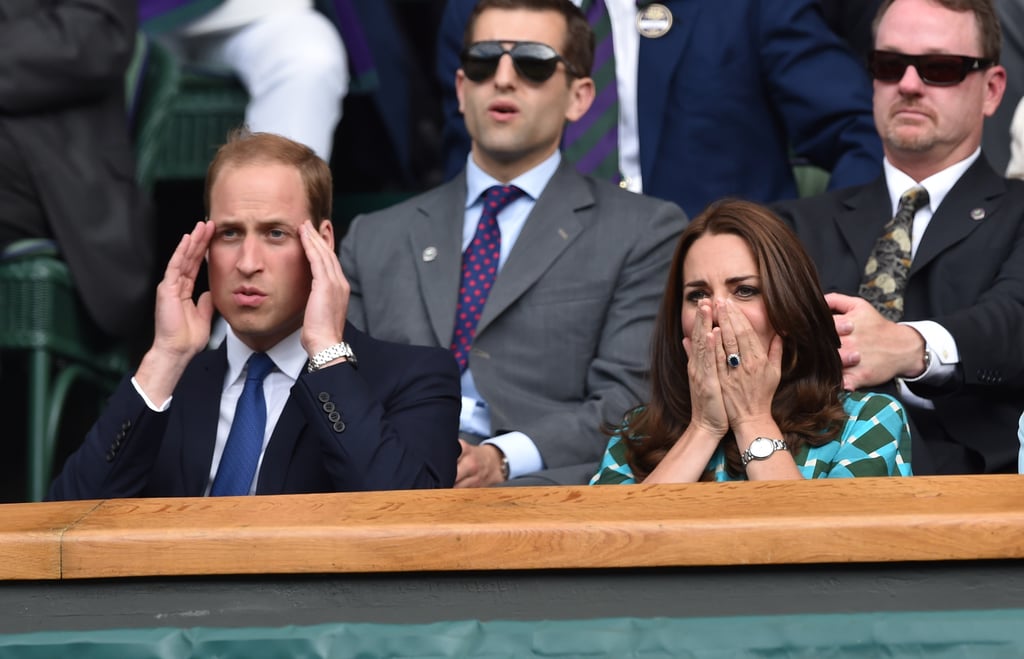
(327,355)
(762,448)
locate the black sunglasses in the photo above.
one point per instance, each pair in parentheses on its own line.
(534,61)
(938,70)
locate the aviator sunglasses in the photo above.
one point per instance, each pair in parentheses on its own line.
(937,70)
(534,61)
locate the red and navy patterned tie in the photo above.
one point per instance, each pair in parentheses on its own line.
(479,269)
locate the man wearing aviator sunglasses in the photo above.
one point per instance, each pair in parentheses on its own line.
(574,281)
(533,61)
(953,299)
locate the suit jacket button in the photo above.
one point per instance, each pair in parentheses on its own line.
(329,407)
(334,417)
(110,456)
(339,426)
(126,426)
(324,396)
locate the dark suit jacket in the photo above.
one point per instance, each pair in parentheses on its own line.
(62,67)
(399,422)
(564,338)
(722,97)
(967,275)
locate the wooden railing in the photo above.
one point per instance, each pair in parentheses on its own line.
(703,524)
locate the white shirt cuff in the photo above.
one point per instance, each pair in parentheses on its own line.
(150,404)
(943,353)
(523,456)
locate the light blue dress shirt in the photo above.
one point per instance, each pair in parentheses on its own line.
(523,456)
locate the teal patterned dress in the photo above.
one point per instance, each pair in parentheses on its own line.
(875,442)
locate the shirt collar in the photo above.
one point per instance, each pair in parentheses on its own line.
(938,185)
(532,182)
(288,355)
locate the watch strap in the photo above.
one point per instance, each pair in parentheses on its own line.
(329,354)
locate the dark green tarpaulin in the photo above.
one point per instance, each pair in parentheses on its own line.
(995,634)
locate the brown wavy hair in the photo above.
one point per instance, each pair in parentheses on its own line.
(808,403)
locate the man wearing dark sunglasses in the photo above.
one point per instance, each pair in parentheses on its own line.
(570,284)
(714,99)
(945,317)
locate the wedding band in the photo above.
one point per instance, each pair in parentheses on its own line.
(733,360)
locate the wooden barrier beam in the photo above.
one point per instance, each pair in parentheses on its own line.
(702,524)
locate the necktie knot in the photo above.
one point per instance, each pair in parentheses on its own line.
(913,200)
(259,366)
(497,197)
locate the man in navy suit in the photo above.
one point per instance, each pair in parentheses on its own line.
(955,351)
(713,97)
(342,410)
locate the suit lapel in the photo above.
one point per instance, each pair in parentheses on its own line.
(657,65)
(972,201)
(199,396)
(438,270)
(551,227)
(866,211)
(278,457)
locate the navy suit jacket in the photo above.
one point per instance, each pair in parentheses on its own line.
(721,99)
(967,275)
(399,427)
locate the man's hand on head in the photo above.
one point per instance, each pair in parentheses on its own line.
(327,307)
(182,327)
(873,350)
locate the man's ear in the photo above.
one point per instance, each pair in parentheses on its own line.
(581,96)
(460,80)
(326,231)
(995,87)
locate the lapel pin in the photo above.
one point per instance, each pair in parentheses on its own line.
(653,21)
(429,254)
(978,214)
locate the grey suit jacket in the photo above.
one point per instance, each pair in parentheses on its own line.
(563,342)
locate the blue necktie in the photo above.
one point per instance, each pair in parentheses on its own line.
(245,440)
(479,269)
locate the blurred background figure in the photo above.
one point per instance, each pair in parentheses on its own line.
(995,140)
(289,57)
(67,169)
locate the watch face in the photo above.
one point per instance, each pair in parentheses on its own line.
(761,447)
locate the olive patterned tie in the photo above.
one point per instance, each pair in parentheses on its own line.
(885,275)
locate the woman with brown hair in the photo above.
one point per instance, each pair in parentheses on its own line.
(745,369)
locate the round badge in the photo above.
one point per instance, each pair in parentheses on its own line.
(653,21)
